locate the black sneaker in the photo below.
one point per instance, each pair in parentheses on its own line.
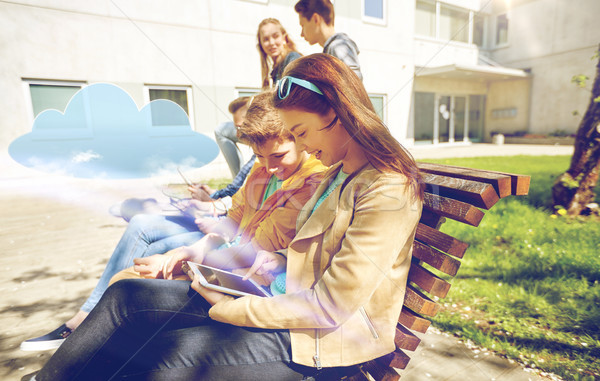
(50,340)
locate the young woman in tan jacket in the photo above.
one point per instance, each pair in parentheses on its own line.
(346,269)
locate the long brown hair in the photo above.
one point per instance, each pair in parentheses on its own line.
(344,92)
(265,60)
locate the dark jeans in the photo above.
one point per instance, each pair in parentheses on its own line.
(160,330)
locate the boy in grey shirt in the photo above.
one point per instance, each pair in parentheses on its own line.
(317,21)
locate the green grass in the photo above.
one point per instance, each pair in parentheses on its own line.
(528,286)
(219,183)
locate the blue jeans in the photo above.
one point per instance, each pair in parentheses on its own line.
(226,137)
(154,329)
(146,234)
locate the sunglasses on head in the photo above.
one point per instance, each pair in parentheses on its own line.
(285,84)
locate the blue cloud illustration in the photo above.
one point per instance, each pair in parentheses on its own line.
(102,134)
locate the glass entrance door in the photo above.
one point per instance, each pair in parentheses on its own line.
(444,118)
(460,124)
(476,112)
(448,118)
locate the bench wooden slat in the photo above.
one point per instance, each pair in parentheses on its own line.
(361,376)
(519,183)
(501,182)
(441,241)
(435,258)
(481,195)
(428,281)
(396,359)
(419,302)
(381,371)
(405,339)
(454,209)
(431,219)
(412,320)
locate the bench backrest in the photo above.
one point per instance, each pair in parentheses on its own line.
(451,192)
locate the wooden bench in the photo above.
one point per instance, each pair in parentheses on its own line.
(452,192)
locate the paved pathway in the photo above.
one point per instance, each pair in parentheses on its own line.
(57,235)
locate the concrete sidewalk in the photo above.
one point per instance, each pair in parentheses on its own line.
(57,236)
(480,149)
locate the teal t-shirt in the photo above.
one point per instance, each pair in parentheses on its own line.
(278,286)
(273,186)
(337,181)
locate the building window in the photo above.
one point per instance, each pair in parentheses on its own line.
(437,20)
(424,117)
(181,95)
(247,92)
(502,29)
(46,94)
(454,24)
(425,19)
(374,11)
(378,101)
(479,22)
(178,96)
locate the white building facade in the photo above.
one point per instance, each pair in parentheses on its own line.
(439,72)
(500,66)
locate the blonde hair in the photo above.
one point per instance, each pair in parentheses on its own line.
(266,62)
(262,122)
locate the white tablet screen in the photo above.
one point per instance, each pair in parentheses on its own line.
(227,282)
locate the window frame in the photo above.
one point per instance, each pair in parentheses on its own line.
(27,82)
(471,14)
(383,102)
(189,95)
(450,7)
(496,30)
(374,20)
(434,3)
(248,92)
(485,18)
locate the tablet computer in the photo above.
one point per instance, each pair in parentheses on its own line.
(227,282)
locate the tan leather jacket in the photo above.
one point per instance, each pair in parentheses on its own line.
(347,270)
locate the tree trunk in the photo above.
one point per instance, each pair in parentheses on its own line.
(574,189)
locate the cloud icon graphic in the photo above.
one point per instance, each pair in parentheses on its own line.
(102,134)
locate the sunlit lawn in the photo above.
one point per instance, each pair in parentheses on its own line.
(529,284)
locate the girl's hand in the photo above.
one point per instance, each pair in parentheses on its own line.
(150,267)
(176,257)
(200,209)
(201,192)
(210,296)
(266,262)
(194,253)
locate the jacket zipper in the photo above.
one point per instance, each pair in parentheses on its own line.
(369,323)
(316,356)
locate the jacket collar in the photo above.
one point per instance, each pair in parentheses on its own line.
(326,212)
